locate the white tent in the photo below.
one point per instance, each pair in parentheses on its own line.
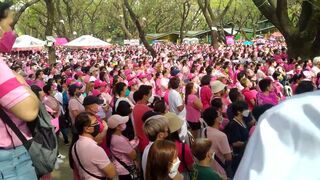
(26,42)
(87,42)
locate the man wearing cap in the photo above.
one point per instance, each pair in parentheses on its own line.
(92,105)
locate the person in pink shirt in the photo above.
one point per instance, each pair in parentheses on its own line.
(39,81)
(86,158)
(267,95)
(249,95)
(193,107)
(122,150)
(205,91)
(219,141)
(19,103)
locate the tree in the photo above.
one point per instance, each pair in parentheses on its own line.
(302,37)
(213,19)
(49,29)
(21,10)
(137,23)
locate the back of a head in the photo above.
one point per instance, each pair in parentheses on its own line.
(155,125)
(36,90)
(174,83)
(4,6)
(119,87)
(305,86)
(161,154)
(264,84)
(205,80)
(81,121)
(124,108)
(145,89)
(257,111)
(209,115)
(201,147)
(216,103)
(234,94)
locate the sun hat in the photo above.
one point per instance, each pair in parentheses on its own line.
(116,120)
(175,122)
(217,86)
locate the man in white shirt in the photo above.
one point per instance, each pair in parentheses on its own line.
(286,142)
(176,105)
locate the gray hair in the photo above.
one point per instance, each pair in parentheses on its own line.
(316,60)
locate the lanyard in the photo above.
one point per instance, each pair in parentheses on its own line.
(241,124)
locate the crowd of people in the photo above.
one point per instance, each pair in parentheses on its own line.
(186,114)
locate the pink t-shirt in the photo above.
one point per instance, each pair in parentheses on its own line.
(91,156)
(205,96)
(121,147)
(220,146)
(75,105)
(270,99)
(250,95)
(187,156)
(193,114)
(11,93)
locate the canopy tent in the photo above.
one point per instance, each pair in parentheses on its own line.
(27,43)
(60,41)
(87,42)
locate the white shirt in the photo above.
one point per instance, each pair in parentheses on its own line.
(175,101)
(286,142)
(315,70)
(145,158)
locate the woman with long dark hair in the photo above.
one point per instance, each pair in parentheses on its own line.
(163,161)
(86,158)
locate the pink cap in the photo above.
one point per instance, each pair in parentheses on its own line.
(69,81)
(141,76)
(80,73)
(132,82)
(95,92)
(115,120)
(191,76)
(97,83)
(130,77)
(86,79)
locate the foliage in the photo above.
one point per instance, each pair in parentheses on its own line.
(109,19)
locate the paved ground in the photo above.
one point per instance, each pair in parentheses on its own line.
(64,172)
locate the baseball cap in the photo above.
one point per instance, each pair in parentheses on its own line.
(96,92)
(217,86)
(116,120)
(175,71)
(89,100)
(175,122)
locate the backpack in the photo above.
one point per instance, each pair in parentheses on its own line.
(43,147)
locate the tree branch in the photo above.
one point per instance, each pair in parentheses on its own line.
(21,10)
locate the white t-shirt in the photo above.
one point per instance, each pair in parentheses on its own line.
(315,70)
(286,142)
(145,158)
(175,101)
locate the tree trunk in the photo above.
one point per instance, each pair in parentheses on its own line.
(142,36)
(49,29)
(302,38)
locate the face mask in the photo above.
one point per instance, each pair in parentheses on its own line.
(212,156)
(123,127)
(127,93)
(7,41)
(78,94)
(174,169)
(245,113)
(96,130)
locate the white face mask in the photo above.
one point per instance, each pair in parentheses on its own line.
(174,169)
(245,113)
(212,156)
